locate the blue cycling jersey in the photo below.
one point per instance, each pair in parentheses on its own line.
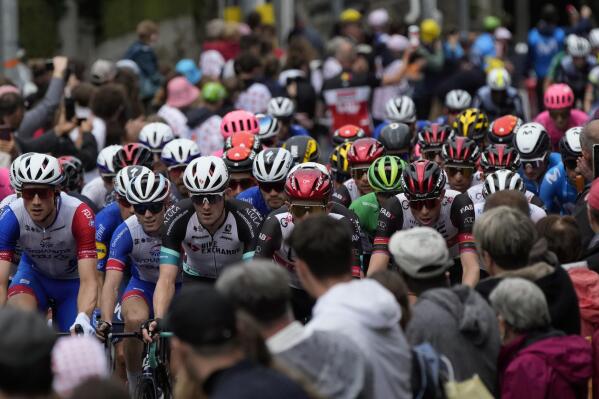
(107,220)
(557,191)
(542,48)
(420,124)
(297,130)
(253,196)
(534,187)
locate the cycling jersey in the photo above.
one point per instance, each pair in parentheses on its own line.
(253,196)
(8,199)
(535,187)
(367,208)
(96,191)
(476,196)
(454,223)
(346,193)
(272,244)
(557,191)
(206,255)
(577,79)
(536,213)
(543,45)
(577,118)
(297,130)
(512,104)
(107,220)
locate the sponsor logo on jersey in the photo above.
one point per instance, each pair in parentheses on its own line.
(466,208)
(228,229)
(101,250)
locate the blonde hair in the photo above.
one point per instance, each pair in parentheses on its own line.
(145,29)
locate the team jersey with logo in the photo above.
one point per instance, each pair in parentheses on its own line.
(346,193)
(536,213)
(107,220)
(476,195)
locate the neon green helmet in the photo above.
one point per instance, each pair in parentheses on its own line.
(384,174)
(213,92)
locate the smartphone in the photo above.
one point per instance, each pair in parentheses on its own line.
(595,161)
(69,108)
(5,132)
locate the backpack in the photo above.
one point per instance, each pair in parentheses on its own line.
(430,371)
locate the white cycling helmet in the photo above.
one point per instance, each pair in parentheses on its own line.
(458,100)
(280,107)
(13,171)
(401,109)
(594,76)
(206,175)
(155,135)
(40,169)
(124,177)
(499,79)
(272,165)
(179,152)
(105,160)
(503,179)
(532,141)
(147,188)
(269,126)
(594,38)
(578,46)
(311,165)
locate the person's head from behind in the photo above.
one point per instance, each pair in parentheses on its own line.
(345,53)
(25,354)
(147,31)
(504,238)
(12,109)
(549,14)
(588,138)
(521,308)
(422,257)
(563,237)
(324,252)
(510,198)
(393,281)
(261,289)
(248,65)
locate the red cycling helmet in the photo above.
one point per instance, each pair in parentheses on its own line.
(365,151)
(308,184)
(422,180)
(239,159)
(348,133)
(558,96)
(460,151)
(432,137)
(499,156)
(243,139)
(133,154)
(239,121)
(502,129)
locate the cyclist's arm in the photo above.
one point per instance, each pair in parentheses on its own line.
(84,232)
(9,234)
(165,288)
(249,221)
(341,195)
(356,247)
(269,239)
(120,248)
(548,190)
(462,216)
(390,221)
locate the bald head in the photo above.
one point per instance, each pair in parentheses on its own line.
(589,136)
(345,53)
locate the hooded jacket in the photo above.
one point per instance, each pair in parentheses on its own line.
(368,313)
(547,366)
(586,284)
(458,323)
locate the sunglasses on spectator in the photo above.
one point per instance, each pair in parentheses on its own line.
(299,211)
(534,162)
(570,163)
(279,187)
(243,183)
(358,173)
(466,171)
(176,171)
(207,199)
(430,203)
(43,193)
(153,207)
(559,114)
(123,202)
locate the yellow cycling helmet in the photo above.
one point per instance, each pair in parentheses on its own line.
(429,30)
(471,122)
(350,15)
(339,163)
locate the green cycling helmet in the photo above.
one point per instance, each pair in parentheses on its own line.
(213,92)
(384,174)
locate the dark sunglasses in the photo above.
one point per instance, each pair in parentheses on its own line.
(357,174)
(561,114)
(570,164)
(428,203)
(431,155)
(534,163)
(243,183)
(153,207)
(465,171)
(176,171)
(42,192)
(123,202)
(299,211)
(211,199)
(279,187)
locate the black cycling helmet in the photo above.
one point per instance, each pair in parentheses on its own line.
(133,154)
(302,149)
(72,168)
(396,137)
(423,180)
(432,137)
(239,159)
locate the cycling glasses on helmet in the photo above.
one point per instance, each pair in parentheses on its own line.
(210,199)
(299,211)
(29,193)
(430,203)
(153,207)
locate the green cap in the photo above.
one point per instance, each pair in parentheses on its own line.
(213,92)
(491,22)
(384,174)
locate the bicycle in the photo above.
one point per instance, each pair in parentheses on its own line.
(154,381)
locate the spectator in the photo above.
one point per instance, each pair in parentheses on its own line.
(537,361)
(330,361)
(484,45)
(362,309)
(110,105)
(510,198)
(143,54)
(393,281)
(254,95)
(205,121)
(563,237)
(102,72)
(209,347)
(592,204)
(430,51)
(456,321)
(96,388)
(507,244)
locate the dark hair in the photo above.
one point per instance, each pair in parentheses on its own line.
(110,104)
(130,82)
(10,103)
(31,379)
(512,198)
(330,257)
(83,93)
(246,62)
(563,237)
(96,388)
(393,281)
(248,41)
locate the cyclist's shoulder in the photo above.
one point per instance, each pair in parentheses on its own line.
(180,211)
(365,201)
(243,209)
(555,174)
(109,214)
(298,130)
(249,194)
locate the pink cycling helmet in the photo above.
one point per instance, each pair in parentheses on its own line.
(239,121)
(558,96)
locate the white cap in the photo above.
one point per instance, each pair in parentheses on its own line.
(397,43)
(502,33)
(378,17)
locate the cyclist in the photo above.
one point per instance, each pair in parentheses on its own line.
(362,153)
(502,129)
(211,232)
(302,149)
(56,234)
(426,202)
(136,246)
(559,116)
(456,101)
(283,109)
(499,97)
(431,140)
(235,122)
(155,136)
(239,162)
(308,192)
(472,123)
(269,130)
(460,155)
(339,165)
(558,188)
(348,133)
(72,169)
(244,139)
(270,169)
(99,188)
(399,110)
(397,140)
(176,155)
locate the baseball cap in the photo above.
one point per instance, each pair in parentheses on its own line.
(420,252)
(201,316)
(189,69)
(128,64)
(593,197)
(397,43)
(350,15)
(378,17)
(26,337)
(502,33)
(102,71)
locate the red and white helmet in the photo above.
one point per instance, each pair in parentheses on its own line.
(308,184)
(365,151)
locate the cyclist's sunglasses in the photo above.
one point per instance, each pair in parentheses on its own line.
(534,162)
(176,171)
(43,193)
(209,199)
(570,163)
(243,183)
(358,173)
(466,171)
(299,211)
(279,187)
(153,207)
(428,203)
(431,155)
(559,114)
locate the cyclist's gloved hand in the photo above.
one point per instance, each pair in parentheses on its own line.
(103,328)
(150,329)
(83,321)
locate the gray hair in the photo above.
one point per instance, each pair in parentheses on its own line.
(521,304)
(589,136)
(507,235)
(259,287)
